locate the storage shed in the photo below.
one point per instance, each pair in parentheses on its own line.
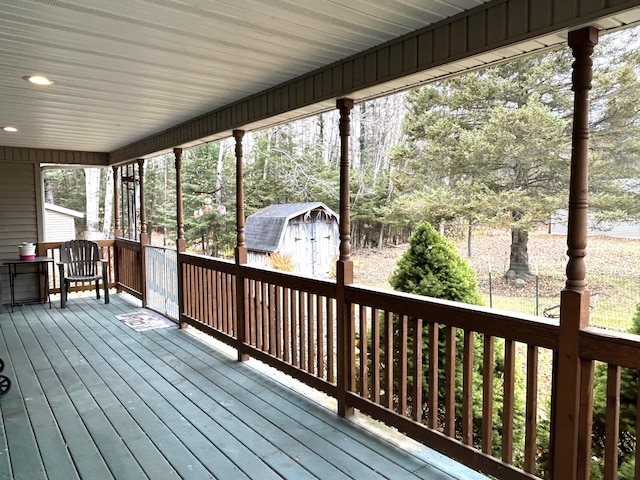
(59,223)
(307,233)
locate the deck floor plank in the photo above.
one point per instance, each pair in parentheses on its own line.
(135,452)
(93,398)
(227,439)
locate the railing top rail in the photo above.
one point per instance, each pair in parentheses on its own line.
(102,243)
(529,329)
(160,247)
(290,280)
(206,261)
(610,346)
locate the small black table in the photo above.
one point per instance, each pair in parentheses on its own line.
(13,272)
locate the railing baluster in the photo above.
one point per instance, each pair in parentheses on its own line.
(273,336)
(286,327)
(295,338)
(467,388)
(362,346)
(403,360)
(303,329)
(450,381)
(375,354)
(432,419)
(488,365)
(277,334)
(331,341)
(612,426)
(417,370)
(311,336)
(508,400)
(388,359)
(531,418)
(320,328)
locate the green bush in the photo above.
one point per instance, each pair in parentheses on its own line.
(628,402)
(432,267)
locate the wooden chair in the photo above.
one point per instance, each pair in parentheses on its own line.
(79,261)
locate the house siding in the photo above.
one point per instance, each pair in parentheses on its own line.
(18,222)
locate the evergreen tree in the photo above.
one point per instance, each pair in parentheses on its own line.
(431,266)
(628,401)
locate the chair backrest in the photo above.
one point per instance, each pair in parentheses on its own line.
(81,257)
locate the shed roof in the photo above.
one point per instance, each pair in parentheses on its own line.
(265,228)
(63,210)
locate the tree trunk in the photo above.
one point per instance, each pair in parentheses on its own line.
(92,182)
(519,259)
(108,205)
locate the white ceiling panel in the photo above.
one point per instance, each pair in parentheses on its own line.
(127,69)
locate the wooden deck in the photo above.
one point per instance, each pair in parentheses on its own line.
(91,398)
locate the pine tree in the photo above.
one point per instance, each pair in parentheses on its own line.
(431,266)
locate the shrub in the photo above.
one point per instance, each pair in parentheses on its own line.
(628,402)
(281,262)
(432,267)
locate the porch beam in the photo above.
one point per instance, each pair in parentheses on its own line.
(344,269)
(568,452)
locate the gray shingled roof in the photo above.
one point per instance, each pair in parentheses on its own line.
(265,228)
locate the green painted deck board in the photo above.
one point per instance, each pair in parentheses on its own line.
(92,398)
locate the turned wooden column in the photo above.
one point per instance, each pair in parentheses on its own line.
(571,411)
(144,236)
(117,226)
(180,243)
(344,270)
(241,252)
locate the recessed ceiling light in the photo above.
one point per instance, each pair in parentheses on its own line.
(10,129)
(38,80)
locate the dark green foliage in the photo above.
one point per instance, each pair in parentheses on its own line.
(628,402)
(432,267)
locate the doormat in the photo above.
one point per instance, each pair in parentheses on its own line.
(145,320)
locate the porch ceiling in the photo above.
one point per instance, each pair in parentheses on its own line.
(124,70)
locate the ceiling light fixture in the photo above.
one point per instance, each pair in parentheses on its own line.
(38,80)
(10,129)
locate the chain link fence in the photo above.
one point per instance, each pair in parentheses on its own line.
(614,295)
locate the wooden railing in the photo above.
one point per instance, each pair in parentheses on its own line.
(125,265)
(471,382)
(52,249)
(129,267)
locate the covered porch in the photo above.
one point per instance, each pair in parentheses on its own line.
(81,378)
(93,398)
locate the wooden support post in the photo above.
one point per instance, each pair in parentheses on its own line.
(344,270)
(240,253)
(180,241)
(144,236)
(117,226)
(574,299)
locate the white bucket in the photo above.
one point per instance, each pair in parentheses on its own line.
(27,251)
